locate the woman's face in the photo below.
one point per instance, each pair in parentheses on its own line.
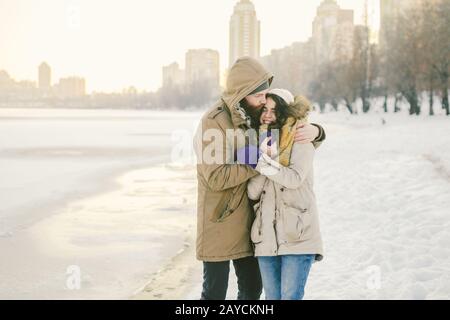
(268,112)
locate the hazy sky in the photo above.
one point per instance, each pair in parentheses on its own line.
(119,43)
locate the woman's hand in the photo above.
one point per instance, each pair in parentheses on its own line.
(271,150)
(306,133)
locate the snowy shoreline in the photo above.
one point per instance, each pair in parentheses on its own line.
(59,169)
(117,238)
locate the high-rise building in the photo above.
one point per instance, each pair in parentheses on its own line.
(71,87)
(45,77)
(333,30)
(392,8)
(244,32)
(13,90)
(389,13)
(5,80)
(173,75)
(203,65)
(293,66)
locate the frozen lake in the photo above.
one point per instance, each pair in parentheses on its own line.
(76,193)
(48,156)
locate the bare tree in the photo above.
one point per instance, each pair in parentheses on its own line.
(435,35)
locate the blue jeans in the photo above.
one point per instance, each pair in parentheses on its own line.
(284,277)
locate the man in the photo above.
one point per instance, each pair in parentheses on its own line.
(225,214)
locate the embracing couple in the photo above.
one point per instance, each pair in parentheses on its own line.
(256,204)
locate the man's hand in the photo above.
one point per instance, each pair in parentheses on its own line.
(306,133)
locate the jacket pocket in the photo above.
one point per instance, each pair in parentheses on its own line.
(230,201)
(256,231)
(238,195)
(296,223)
(299,198)
(221,201)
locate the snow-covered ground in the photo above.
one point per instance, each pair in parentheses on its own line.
(384,196)
(382,184)
(383,187)
(383,193)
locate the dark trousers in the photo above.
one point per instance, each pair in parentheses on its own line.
(215,279)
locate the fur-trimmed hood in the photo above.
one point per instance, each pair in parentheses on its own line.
(300,108)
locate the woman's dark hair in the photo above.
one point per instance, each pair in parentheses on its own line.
(281,111)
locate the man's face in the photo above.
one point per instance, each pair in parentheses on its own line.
(257,100)
(253,105)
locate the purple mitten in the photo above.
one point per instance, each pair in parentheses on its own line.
(265,134)
(248,155)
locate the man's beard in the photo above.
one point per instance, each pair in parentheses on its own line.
(253,112)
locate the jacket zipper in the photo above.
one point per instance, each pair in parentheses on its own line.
(275,220)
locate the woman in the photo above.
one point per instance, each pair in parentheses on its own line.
(285,232)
